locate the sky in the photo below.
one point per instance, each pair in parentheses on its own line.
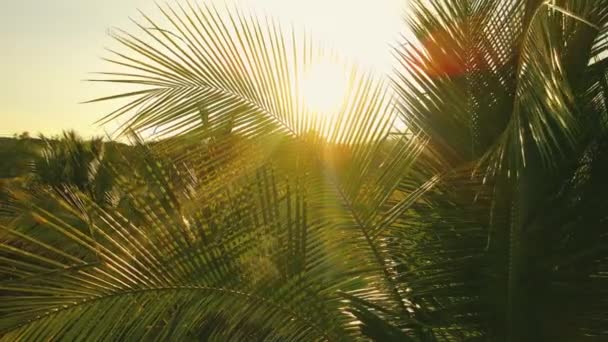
(50,46)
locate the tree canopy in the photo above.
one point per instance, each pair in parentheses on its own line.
(461,199)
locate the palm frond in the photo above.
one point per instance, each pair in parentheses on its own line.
(237,70)
(159,268)
(515,88)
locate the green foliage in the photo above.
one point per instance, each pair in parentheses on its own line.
(71,161)
(252,218)
(518,89)
(17,156)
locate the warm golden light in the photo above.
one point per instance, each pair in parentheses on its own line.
(324,88)
(358,29)
(362,30)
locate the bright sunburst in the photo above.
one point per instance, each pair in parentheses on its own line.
(324,87)
(303,80)
(360,29)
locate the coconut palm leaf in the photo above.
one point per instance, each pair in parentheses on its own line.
(251,217)
(499,84)
(218,70)
(172,268)
(181,252)
(234,69)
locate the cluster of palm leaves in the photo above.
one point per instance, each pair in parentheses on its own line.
(71,161)
(462,200)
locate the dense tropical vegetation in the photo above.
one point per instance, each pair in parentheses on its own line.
(463,200)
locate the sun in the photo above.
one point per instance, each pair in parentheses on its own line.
(324,91)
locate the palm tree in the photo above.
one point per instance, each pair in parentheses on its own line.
(517,89)
(482,220)
(72,161)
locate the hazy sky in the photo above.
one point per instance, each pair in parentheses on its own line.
(49,46)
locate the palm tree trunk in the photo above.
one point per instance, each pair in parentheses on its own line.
(522,315)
